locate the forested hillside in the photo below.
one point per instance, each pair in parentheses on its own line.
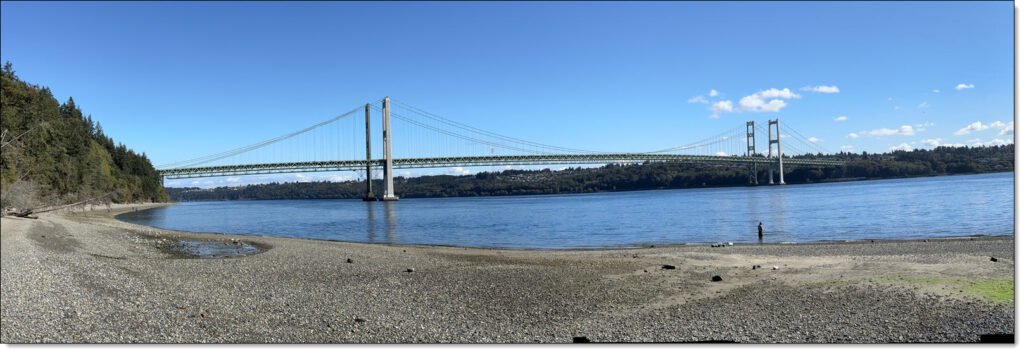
(52,153)
(646,176)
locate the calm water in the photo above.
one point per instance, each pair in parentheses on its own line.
(885,209)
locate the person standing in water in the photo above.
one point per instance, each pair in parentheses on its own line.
(760,232)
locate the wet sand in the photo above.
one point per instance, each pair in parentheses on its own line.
(86,277)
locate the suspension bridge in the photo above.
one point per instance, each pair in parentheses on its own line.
(421,139)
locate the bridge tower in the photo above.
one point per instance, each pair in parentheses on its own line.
(369,162)
(389,184)
(751,150)
(778,146)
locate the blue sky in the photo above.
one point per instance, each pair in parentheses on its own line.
(181,80)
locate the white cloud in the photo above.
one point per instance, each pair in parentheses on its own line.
(896,108)
(901,147)
(846,148)
(713,93)
(841,118)
(821,89)
(338,178)
(784,93)
(978,126)
(923,105)
(507,167)
(460,171)
(935,142)
(905,130)
(813,139)
(769,100)
(698,99)
(993,142)
(936,90)
(721,107)
(852,135)
(720,154)
(1008,130)
(232,179)
(923,126)
(964,86)
(301,177)
(756,103)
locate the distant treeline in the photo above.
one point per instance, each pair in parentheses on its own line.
(623,177)
(53,153)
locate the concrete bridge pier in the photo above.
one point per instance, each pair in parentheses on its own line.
(389,184)
(777,141)
(751,151)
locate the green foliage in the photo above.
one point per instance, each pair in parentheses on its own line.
(64,152)
(646,176)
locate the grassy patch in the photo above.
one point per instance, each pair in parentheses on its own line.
(997,291)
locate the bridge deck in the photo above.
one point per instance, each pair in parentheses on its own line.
(403,163)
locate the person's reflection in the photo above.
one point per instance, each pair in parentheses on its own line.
(371,223)
(390,221)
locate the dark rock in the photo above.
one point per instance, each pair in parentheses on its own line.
(716,278)
(410,270)
(993,259)
(348,260)
(360,320)
(580,339)
(753,267)
(667,267)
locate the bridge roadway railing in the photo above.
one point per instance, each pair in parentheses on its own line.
(443,162)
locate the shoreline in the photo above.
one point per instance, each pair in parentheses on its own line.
(847,180)
(88,277)
(122,210)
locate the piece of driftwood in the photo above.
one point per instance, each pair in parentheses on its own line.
(27,213)
(22,213)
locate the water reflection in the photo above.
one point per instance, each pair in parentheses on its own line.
(371,222)
(390,221)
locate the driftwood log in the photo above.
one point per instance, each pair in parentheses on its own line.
(27,213)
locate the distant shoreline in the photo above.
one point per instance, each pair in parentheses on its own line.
(831,181)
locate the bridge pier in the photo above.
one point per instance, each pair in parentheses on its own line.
(778,146)
(369,162)
(389,184)
(751,151)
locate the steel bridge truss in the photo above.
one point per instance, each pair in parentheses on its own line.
(444,162)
